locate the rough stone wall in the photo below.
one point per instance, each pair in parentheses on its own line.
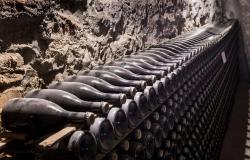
(42,41)
(239,9)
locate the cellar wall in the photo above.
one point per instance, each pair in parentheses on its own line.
(43,41)
(239,9)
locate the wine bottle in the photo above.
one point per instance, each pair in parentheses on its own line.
(144,65)
(185,55)
(113,155)
(177,50)
(155,116)
(33,115)
(177,112)
(163,55)
(159,154)
(163,122)
(157,133)
(104,134)
(133,113)
(136,134)
(136,147)
(69,101)
(141,101)
(171,120)
(160,90)
(161,59)
(152,99)
(148,141)
(124,146)
(179,53)
(146,125)
(115,79)
(102,85)
(127,74)
(138,69)
(88,93)
(153,61)
(148,64)
(83,144)
(163,109)
(166,84)
(119,120)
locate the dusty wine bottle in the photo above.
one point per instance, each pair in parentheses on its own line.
(144,65)
(148,64)
(104,133)
(83,144)
(141,102)
(155,116)
(127,74)
(160,58)
(159,154)
(114,79)
(33,115)
(171,120)
(152,99)
(164,56)
(136,134)
(172,54)
(113,155)
(157,133)
(149,143)
(135,68)
(102,85)
(160,90)
(152,61)
(88,93)
(163,109)
(119,120)
(146,125)
(133,113)
(163,121)
(136,147)
(166,81)
(123,146)
(179,52)
(69,101)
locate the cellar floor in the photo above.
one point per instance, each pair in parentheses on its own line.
(235,139)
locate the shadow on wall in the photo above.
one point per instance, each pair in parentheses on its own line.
(243,65)
(239,9)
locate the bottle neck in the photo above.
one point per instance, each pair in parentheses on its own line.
(115,98)
(86,118)
(102,107)
(131,91)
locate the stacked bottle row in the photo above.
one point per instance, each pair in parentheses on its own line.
(165,102)
(202,121)
(203,117)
